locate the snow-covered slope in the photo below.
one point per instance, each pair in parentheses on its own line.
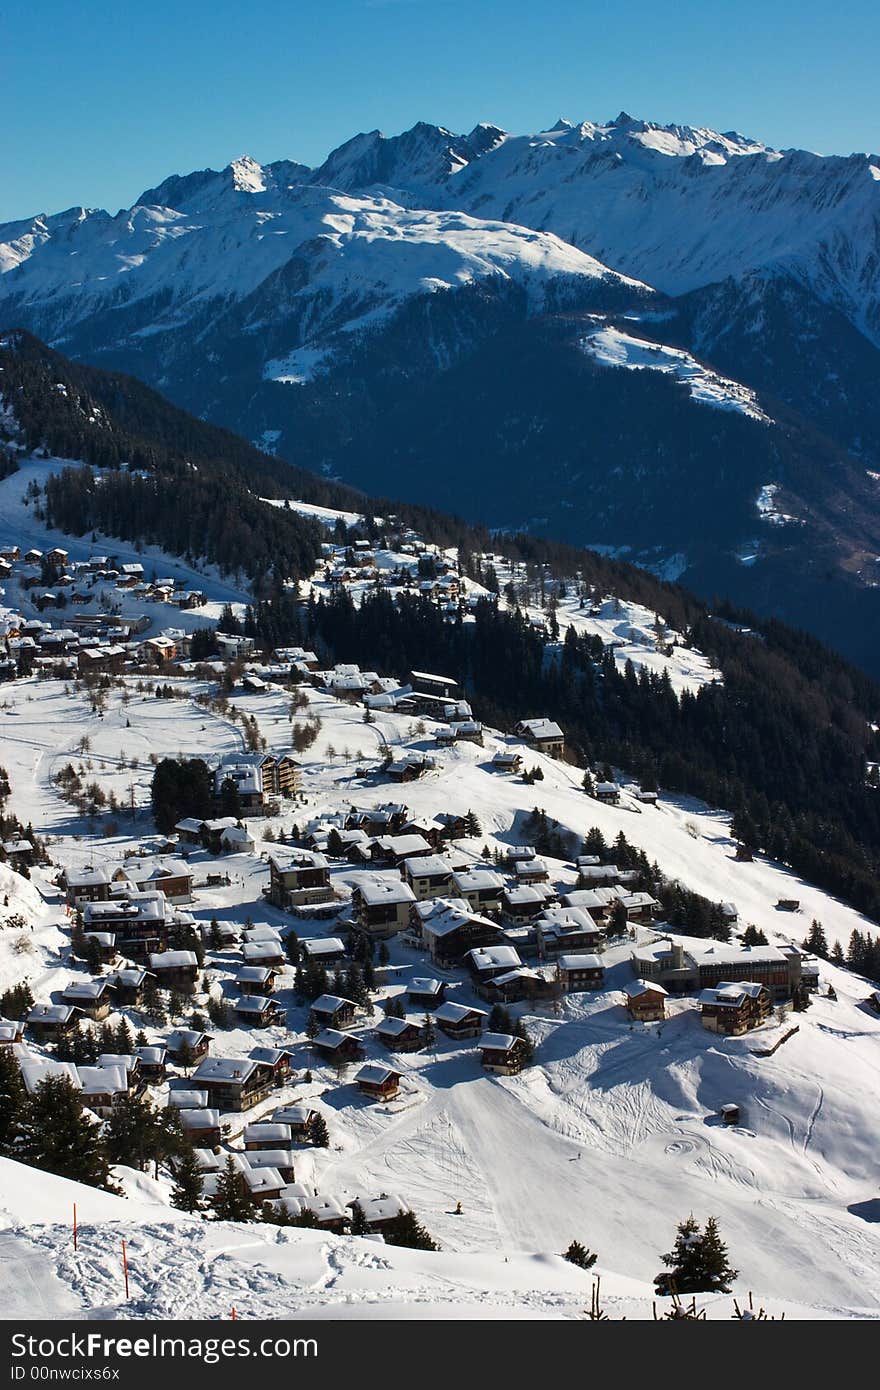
(683,207)
(336,261)
(615,348)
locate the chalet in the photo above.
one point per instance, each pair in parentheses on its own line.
(203,1126)
(450,929)
(11,1031)
(531,871)
(502,1054)
(522,983)
(523,902)
(579,972)
(190,1040)
(296,877)
(645,1001)
(382,905)
(105,944)
(734,1008)
(226,836)
(459,1021)
(258,1010)
(380,1212)
(152,1059)
(543,735)
(379,820)
(377,1082)
(140,921)
(484,962)
(407,767)
(234,1083)
(330,1214)
(481,888)
(337,1047)
(729,1113)
(189,830)
(401,1034)
(83,886)
(507,762)
(426,993)
(256,979)
(94,998)
(161,651)
(567,929)
(299,1119)
(266,1135)
(595,875)
(426,683)
(639,907)
(429,876)
(608,792)
(397,849)
(323,950)
(103,1087)
(282,1160)
(598,902)
(175,969)
(331,1011)
(268,952)
(101,660)
(172,877)
(278,1058)
(238,783)
(52,1021)
(130,1063)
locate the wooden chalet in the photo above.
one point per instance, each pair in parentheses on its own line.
(645,1001)
(234,1083)
(378,1082)
(459,1021)
(502,1054)
(735,1008)
(401,1034)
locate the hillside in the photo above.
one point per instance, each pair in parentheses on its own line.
(411,317)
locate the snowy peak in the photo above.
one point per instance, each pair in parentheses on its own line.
(421,157)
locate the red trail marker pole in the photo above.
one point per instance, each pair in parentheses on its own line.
(233,1313)
(125,1268)
(74,1225)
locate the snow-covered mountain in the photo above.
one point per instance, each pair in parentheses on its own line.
(429,290)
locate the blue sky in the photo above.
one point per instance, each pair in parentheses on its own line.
(102,100)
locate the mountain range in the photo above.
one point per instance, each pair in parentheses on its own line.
(659,341)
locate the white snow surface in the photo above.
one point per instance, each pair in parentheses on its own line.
(614,348)
(610,1139)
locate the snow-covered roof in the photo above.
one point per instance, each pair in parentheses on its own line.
(374,1074)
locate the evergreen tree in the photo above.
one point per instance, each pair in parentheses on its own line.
(753,936)
(188,1184)
(698,1261)
(358,1220)
(472,825)
(577,1254)
(407,1230)
(231,1202)
(131,1132)
(384,953)
(12,1099)
(319,1133)
(57,1137)
(124,1039)
(185,1056)
(816,942)
(500,1020)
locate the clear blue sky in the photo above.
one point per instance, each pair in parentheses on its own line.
(102,100)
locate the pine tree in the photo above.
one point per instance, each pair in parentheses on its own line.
(230,1202)
(57,1137)
(407,1230)
(12,1099)
(500,1020)
(577,1254)
(131,1133)
(698,1261)
(124,1039)
(384,953)
(185,1056)
(472,825)
(188,1184)
(359,1225)
(319,1133)
(816,942)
